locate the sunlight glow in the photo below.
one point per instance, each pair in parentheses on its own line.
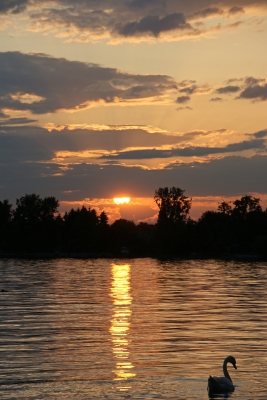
(121,200)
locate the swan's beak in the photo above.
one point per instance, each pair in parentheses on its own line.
(235,366)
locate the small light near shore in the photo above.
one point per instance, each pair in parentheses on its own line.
(121,200)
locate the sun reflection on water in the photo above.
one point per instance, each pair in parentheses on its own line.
(120,321)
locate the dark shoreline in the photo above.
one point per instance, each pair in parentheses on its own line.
(194,256)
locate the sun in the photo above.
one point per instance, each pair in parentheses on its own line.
(121,200)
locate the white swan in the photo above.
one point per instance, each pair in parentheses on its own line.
(223,384)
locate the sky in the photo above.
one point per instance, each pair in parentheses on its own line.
(102,99)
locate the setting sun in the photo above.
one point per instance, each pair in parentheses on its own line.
(122,200)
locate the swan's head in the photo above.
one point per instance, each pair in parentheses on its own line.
(231,360)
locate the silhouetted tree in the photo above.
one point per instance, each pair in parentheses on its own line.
(123,234)
(146,237)
(246,220)
(103,218)
(173,205)
(245,205)
(5,212)
(33,221)
(173,213)
(80,230)
(5,224)
(32,208)
(35,226)
(103,242)
(224,208)
(213,232)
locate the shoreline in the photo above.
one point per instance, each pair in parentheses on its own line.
(87,256)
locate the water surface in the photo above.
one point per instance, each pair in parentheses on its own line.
(131,329)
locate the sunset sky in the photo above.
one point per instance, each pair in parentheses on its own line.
(102,99)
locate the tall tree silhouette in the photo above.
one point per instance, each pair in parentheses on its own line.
(245,205)
(224,208)
(123,233)
(173,205)
(33,220)
(5,222)
(80,229)
(173,213)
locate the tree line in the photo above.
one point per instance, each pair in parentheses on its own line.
(34,225)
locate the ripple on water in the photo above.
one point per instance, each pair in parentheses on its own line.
(140,329)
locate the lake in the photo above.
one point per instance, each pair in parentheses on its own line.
(131,328)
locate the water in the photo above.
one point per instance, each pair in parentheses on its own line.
(131,329)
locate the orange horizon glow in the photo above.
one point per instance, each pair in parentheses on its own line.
(121,200)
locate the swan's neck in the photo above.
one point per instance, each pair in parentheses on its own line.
(226,374)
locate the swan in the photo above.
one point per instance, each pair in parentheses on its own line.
(222,384)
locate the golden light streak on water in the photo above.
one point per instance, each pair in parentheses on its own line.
(120,321)
(154,329)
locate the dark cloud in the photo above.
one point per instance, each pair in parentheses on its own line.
(182,99)
(153,25)
(231,80)
(189,89)
(251,88)
(209,11)
(227,89)
(56,84)
(192,151)
(16,121)
(36,143)
(223,177)
(251,81)
(15,150)
(236,10)
(255,92)
(184,108)
(77,140)
(141,4)
(127,19)
(3,115)
(261,134)
(216,99)
(13,6)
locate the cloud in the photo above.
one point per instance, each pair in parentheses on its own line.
(227,89)
(26,153)
(191,151)
(133,20)
(215,11)
(153,25)
(71,143)
(223,177)
(236,10)
(43,84)
(250,80)
(20,149)
(182,99)
(261,134)
(190,87)
(255,92)
(251,88)
(216,99)
(184,108)
(209,11)
(3,115)
(15,121)
(13,6)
